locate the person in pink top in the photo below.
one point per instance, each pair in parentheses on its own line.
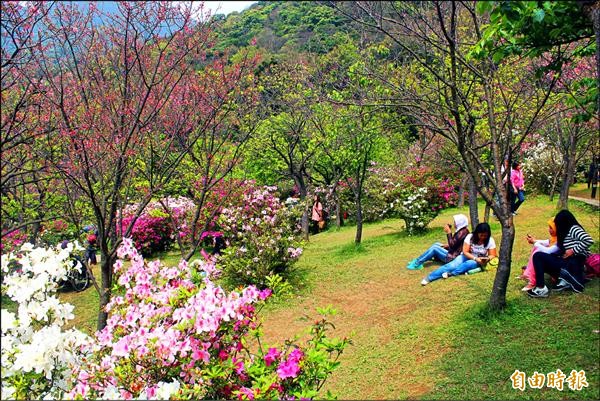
(517,187)
(317,214)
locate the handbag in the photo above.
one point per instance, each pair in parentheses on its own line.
(321,224)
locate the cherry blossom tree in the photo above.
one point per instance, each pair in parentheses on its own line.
(126,96)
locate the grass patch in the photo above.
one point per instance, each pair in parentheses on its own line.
(434,342)
(440,341)
(581,190)
(530,336)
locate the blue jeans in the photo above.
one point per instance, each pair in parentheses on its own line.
(464,267)
(447,268)
(517,199)
(460,265)
(435,251)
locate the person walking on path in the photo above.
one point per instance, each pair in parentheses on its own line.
(445,253)
(518,187)
(568,264)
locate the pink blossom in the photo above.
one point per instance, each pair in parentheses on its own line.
(288,368)
(247,392)
(271,356)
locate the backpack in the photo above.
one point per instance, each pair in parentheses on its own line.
(592,266)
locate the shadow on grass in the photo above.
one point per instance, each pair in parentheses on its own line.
(529,335)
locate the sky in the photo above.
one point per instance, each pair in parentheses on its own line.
(225,7)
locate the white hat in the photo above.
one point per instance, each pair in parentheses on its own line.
(460,221)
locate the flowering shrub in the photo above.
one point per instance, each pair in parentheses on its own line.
(261,234)
(37,354)
(12,240)
(170,335)
(421,195)
(542,164)
(416,195)
(153,230)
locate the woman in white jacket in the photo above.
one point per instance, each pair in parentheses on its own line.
(544,246)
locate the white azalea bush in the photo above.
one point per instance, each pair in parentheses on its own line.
(542,164)
(171,334)
(38,354)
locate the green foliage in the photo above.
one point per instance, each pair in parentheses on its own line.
(284,27)
(533,27)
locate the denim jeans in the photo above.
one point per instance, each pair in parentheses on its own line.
(464,267)
(517,199)
(447,268)
(435,251)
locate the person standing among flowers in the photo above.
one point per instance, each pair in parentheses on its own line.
(517,186)
(478,248)
(568,264)
(445,253)
(317,214)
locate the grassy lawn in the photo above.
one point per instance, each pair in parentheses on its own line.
(437,341)
(581,190)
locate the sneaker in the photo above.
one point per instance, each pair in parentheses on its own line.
(562,285)
(445,275)
(424,281)
(538,292)
(414,265)
(528,287)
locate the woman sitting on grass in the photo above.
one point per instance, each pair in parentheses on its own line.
(478,248)
(545,246)
(568,264)
(445,253)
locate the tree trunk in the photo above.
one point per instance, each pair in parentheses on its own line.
(569,163)
(486,213)
(461,190)
(473,210)
(498,296)
(553,185)
(106,264)
(304,221)
(338,212)
(359,219)
(35,230)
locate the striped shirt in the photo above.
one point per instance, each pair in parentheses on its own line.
(578,240)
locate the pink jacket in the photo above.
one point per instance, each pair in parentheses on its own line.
(516,178)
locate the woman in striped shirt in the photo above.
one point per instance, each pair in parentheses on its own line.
(574,247)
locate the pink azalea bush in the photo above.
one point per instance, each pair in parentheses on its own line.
(155,229)
(261,234)
(414,194)
(172,336)
(12,240)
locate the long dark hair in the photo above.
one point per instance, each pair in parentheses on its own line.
(564,220)
(480,229)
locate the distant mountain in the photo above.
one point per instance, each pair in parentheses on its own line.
(283,27)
